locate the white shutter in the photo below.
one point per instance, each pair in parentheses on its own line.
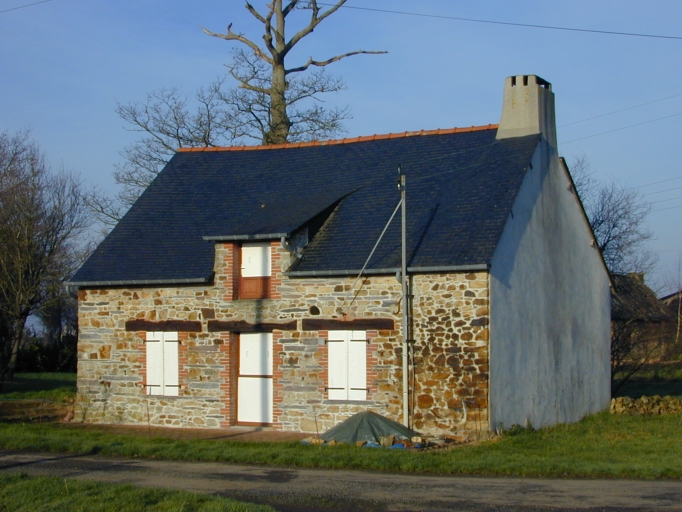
(162,363)
(255,353)
(357,365)
(256,260)
(170,364)
(154,345)
(337,355)
(254,400)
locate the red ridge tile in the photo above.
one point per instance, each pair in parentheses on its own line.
(352,140)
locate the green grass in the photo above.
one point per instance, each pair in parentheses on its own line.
(22,493)
(602,445)
(55,387)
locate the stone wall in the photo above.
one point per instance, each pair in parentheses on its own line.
(450,318)
(450,330)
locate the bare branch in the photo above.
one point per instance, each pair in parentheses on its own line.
(255,13)
(267,36)
(291,6)
(231,36)
(315,20)
(617,216)
(312,62)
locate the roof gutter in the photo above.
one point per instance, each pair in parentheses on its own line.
(234,238)
(384,271)
(138,282)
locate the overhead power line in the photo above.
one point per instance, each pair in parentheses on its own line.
(669,208)
(621,110)
(24,6)
(666,200)
(658,182)
(508,23)
(662,191)
(622,128)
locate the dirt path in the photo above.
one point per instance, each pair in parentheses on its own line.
(298,490)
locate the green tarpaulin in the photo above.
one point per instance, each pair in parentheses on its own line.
(367,426)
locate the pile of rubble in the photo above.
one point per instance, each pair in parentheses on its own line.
(416,442)
(648,405)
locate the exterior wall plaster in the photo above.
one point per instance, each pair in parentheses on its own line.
(550,307)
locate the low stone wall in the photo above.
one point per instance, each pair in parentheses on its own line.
(646,405)
(33,411)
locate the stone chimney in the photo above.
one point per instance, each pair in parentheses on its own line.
(527,108)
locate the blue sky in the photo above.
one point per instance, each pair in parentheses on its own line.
(65,63)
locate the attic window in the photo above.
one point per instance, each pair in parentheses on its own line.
(254,282)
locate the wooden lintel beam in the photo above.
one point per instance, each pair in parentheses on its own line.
(164,325)
(244,326)
(359,324)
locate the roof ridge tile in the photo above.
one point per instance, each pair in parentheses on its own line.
(333,142)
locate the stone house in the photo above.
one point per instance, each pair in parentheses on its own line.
(254,285)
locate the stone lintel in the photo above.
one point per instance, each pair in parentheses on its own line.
(359,324)
(164,325)
(244,326)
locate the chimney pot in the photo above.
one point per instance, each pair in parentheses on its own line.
(528,108)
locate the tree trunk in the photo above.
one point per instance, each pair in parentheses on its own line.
(16,335)
(280,123)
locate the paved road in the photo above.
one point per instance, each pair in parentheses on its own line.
(302,490)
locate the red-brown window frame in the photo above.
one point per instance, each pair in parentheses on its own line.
(253,287)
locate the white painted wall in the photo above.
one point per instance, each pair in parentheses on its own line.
(549,307)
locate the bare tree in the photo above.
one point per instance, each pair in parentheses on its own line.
(272,104)
(634,343)
(167,120)
(617,215)
(262,70)
(41,217)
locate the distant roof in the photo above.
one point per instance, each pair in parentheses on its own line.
(672,297)
(632,300)
(461,185)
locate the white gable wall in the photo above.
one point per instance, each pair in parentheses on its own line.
(549,307)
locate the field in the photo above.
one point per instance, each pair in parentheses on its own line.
(601,445)
(22,493)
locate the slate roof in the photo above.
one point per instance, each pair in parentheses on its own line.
(460,188)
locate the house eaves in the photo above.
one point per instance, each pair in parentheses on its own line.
(384,271)
(140,282)
(235,238)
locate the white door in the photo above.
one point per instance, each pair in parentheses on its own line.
(254,384)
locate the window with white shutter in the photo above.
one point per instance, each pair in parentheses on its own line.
(162,363)
(347,371)
(254,282)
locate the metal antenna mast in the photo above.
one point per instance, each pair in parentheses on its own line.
(406,309)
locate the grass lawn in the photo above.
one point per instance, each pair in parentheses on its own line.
(54,387)
(22,493)
(601,445)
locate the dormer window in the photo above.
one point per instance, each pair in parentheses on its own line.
(254,281)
